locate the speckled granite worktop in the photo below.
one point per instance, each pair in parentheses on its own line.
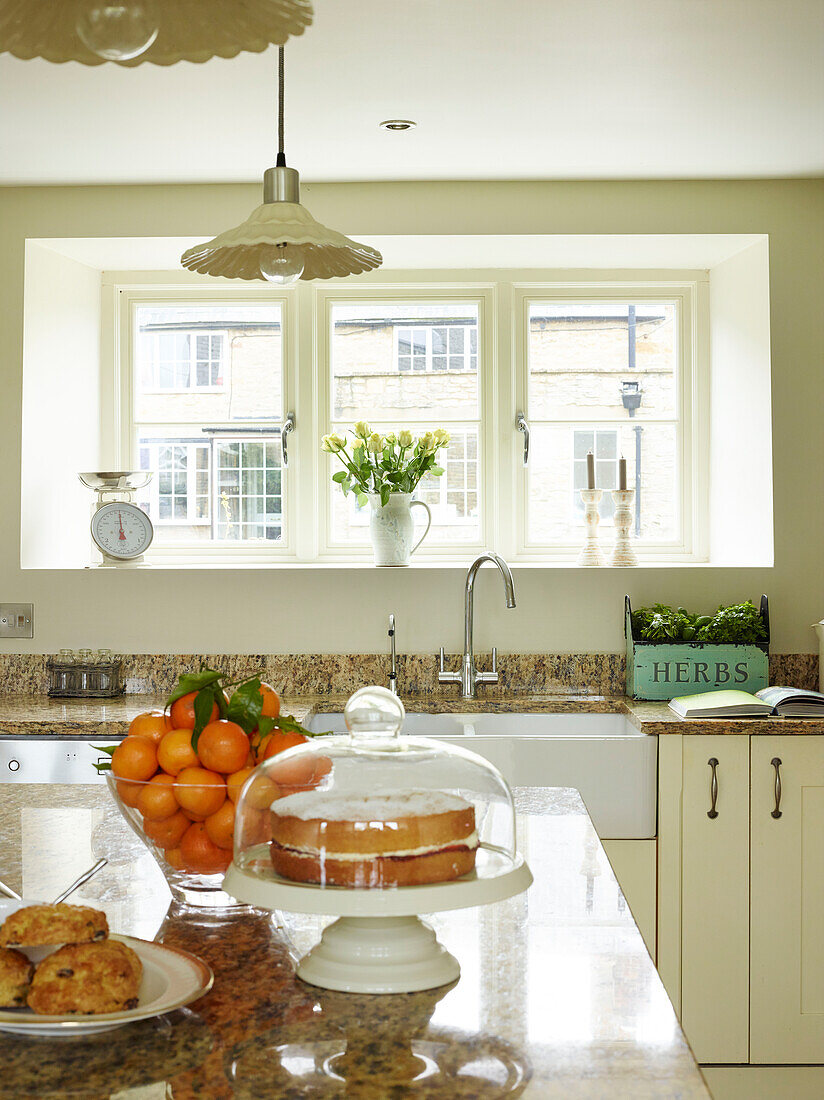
(38,714)
(557,1000)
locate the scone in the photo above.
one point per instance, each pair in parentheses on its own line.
(15,977)
(406,838)
(44,925)
(88,979)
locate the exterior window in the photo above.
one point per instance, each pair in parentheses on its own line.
(176,361)
(207,404)
(604,375)
(249,491)
(395,374)
(604,447)
(437,347)
(180,491)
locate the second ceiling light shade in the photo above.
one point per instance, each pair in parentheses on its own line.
(162,32)
(280,241)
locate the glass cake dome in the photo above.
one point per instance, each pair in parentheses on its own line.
(374,808)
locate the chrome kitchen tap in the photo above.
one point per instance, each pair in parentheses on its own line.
(469,677)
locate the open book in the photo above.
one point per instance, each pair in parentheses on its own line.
(785,702)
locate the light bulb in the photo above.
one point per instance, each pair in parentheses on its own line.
(117,30)
(281,264)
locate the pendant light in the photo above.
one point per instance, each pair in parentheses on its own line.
(281,241)
(130,32)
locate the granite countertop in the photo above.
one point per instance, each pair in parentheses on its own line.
(557,998)
(39,714)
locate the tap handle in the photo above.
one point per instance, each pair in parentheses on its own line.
(445,677)
(494,660)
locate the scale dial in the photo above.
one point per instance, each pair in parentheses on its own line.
(122,531)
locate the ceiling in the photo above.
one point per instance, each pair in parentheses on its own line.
(500,89)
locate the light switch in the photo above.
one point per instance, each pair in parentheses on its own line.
(16,620)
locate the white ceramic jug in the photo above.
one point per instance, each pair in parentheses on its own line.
(819,629)
(392,528)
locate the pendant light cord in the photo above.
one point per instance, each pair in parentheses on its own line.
(281,161)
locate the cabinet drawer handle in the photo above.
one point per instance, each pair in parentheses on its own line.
(776,763)
(712,813)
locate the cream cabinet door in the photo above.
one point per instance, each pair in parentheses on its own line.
(787,920)
(715,897)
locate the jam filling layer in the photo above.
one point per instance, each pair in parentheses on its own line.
(366,857)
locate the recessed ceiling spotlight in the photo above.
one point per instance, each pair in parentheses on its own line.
(398,124)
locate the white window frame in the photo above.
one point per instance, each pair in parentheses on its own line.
(122,301)
(466,355)
(156,388)
(481,295)
(692,408)
(503,304)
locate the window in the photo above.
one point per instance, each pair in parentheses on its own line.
(174,360)
(610,368)
(249,491)
(207,408)
(395,374)
(180,491)
(437,347)
(611,376)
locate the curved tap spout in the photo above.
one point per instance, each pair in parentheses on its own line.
(470,676)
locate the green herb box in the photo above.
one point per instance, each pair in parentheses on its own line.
(661,670)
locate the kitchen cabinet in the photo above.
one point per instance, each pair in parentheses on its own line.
(787,887)
(745,879)
(715,898)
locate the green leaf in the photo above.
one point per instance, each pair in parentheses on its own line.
(101,768)
(109,751)
(340,476)
(363,499)
(287,723)
(266,724)
(436,471)
(386,492)
(193,681)
(246,705)
(204,701)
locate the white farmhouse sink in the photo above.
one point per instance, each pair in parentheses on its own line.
(607,759)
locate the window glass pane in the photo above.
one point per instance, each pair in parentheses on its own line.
(249,490)
(390,362)
(602,360)
(207,364)
(557,472)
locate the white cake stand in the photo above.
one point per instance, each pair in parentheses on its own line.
(378,944)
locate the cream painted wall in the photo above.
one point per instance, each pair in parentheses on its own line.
(61,392)
(335,609)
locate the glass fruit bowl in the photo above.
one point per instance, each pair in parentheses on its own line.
(193,850)
(178,792)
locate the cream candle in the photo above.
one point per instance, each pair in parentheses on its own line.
(622,473)
(590,470)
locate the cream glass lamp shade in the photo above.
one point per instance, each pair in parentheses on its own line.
(237,253)
(183,30)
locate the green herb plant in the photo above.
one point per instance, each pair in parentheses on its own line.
(739,624)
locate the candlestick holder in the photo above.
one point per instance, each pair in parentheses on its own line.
(623,553)
(591,552)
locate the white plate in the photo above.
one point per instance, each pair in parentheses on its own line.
(171,978)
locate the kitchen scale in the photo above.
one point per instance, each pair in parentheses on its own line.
(120,529)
